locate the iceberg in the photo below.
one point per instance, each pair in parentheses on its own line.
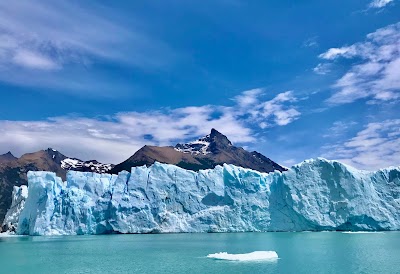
(315,195)
(246,257)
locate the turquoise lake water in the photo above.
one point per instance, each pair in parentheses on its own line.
(307,252)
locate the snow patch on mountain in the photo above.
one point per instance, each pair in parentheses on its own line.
(196,147)
(78,165)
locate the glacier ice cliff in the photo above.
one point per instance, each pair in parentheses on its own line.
(314,195)
(19,196)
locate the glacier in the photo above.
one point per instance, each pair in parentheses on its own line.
(19,196)
(314,195)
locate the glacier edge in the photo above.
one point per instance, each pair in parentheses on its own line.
(314,195)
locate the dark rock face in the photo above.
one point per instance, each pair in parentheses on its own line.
(207,152)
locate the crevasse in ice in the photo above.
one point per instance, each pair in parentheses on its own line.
(314,195)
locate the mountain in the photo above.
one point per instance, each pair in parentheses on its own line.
(13,170)
(204,153)
(4,158)
(315,195)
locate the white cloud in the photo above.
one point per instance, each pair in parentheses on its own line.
(277,111)
(37,38)
(34,60)
(248,97)
(322,69)
(117,138)
(379,3)
(376,146)
(375,73)
(333,53)
(113,139)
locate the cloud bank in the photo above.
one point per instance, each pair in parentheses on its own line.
(115,138)
(375,72)
(374,147)
(377,4)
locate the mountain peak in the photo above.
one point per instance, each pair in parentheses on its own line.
(55,154)
(7,157)
(204,153)
(219,138)
(205,145)
(214,132)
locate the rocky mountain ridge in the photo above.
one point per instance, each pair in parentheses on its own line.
(207,152)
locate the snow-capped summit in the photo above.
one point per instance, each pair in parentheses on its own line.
(204,145)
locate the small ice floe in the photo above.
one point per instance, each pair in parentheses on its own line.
(362,232)
(252,256)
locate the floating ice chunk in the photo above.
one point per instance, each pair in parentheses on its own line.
(252,256)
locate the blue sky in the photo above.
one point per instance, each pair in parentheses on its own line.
(290,80)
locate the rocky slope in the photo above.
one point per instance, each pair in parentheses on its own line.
(7,157)
(314,195)
(204,153)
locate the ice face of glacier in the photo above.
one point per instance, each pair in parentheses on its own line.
(19,196)
(314,195)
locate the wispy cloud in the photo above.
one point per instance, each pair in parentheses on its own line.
(277,111)
(56,37)
(31,59)
(376,146)
(311,42)
(114,138)
(322,68)
(249,98)
(377,4)
(375,73)
(339,128)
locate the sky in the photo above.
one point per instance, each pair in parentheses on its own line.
(291,79)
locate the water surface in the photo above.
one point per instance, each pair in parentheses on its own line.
(313,252)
